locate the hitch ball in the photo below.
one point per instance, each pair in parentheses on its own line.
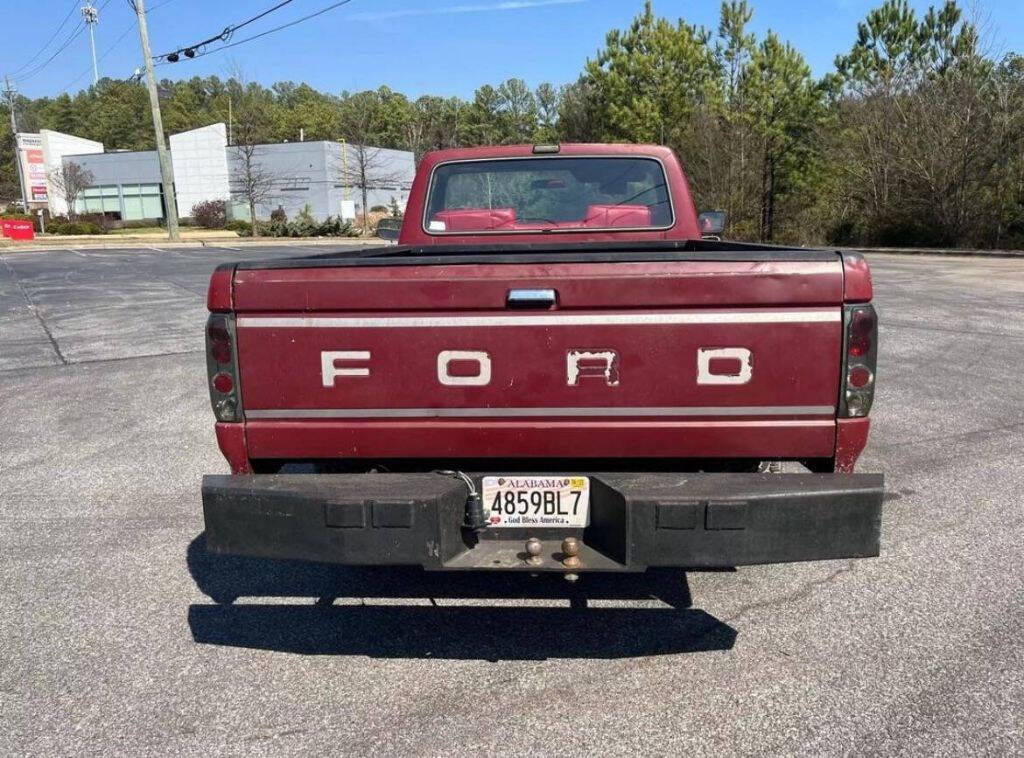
(571,552)
(533,548)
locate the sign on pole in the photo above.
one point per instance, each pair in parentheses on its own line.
(33,167)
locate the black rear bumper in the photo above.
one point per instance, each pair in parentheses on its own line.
(637,520)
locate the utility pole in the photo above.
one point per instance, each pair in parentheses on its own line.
(91,16)
(9,93)
(166,171)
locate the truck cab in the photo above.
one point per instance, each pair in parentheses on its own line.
(551,371)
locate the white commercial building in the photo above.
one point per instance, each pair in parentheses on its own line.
(41,156)
(200,161)
(321,176)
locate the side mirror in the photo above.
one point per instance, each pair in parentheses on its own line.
(388,231)
(712,224)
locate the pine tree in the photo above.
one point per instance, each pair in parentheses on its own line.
(784,104)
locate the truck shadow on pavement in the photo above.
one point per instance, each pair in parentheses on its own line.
(447,615)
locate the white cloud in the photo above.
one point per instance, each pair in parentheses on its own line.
(508,5)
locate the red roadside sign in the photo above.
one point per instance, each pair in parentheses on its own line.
(17,230)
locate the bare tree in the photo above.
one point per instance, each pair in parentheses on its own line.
(69,180)
(360,120)
(251,180)
(367,168)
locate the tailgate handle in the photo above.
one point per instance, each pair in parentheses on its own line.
(531,298)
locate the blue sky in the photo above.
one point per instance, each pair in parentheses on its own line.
(446,47)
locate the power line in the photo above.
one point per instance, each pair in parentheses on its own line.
(224,35)
(103,55)
(36,69)
(158,6)
(256,36)
(130,28)
(78,30)
(259,16)
(26,64)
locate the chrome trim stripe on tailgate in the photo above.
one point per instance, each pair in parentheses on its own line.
(789,316)
(733,410)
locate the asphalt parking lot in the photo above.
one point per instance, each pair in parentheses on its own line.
(120,634)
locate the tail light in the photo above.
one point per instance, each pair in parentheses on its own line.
(222,367)
(861,349)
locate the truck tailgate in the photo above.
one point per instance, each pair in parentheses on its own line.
(659,358)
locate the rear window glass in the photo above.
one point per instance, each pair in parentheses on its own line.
(542,194)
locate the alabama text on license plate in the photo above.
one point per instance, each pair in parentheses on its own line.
(539,501)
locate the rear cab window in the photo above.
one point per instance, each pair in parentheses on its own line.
(548,194)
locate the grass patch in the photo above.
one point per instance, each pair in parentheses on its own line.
(142,230)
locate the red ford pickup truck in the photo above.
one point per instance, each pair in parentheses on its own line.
(553,370)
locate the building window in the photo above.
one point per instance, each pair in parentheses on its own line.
(141,201)
(99,199)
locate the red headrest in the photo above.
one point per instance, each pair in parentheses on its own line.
(618,215)
(476,219)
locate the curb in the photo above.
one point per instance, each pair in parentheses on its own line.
(223,242)
(938,252)
(226,242)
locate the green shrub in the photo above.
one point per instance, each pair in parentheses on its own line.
(278,229)
(101,221)
(274,228)
(278,215)
(333,226)
(242,227)
(304,225)
(74,227)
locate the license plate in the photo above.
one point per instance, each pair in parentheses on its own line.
(537,501)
